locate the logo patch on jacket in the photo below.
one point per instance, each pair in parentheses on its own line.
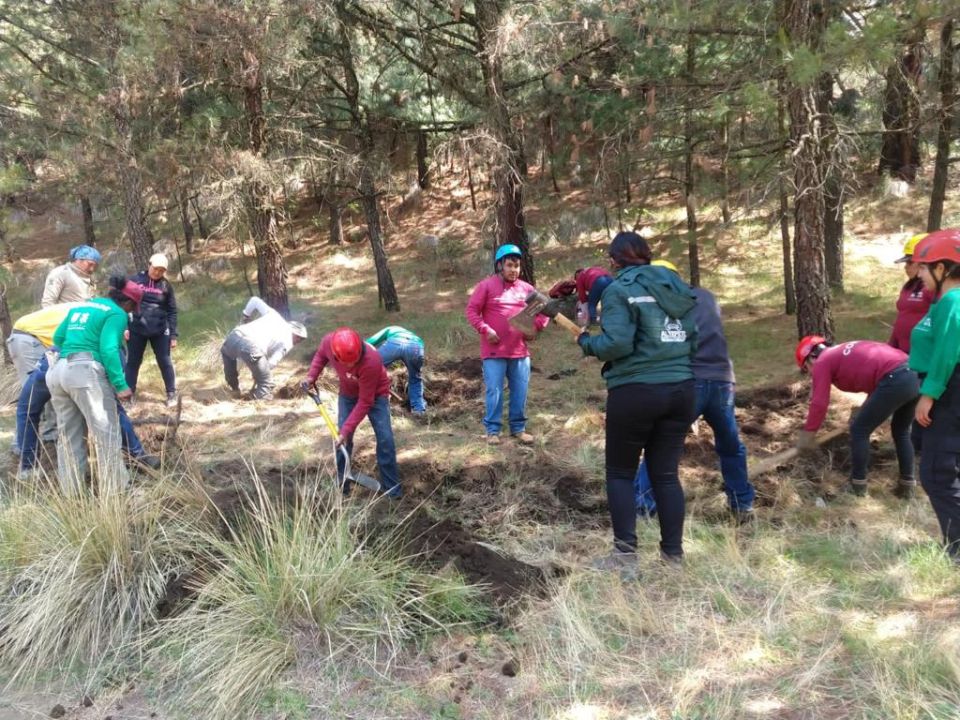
(641,299)
(672,331)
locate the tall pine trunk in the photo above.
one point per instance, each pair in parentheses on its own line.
(689,187)
(423,165)
(789,292)
(900,152)
(86,210)
(802,21)
(832,184)
(184,203)
(511,166)
(261,218)
(947,99)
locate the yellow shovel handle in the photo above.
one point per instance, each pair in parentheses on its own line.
(330,423)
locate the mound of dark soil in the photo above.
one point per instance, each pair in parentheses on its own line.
(443,542)
(450,388)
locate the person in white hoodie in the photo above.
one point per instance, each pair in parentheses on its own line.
(260,344)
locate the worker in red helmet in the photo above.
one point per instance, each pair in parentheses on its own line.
(364,392)
(935,355)
(892,389)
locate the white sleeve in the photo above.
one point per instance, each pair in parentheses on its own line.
(277,351)
(256,305)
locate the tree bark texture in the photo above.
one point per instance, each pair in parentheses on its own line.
(138,234)
(802,22)
(184,204)
(510,167)
(86,210)
(423,164)
(833,189)
(944,133)
(6,323)
(900,152)
(261,217)
(689,182)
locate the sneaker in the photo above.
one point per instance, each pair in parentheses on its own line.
(857,489)
(671,561)
(524,438)
(620,562)
(905,490)
(171,400)
(419,416)
(493,439)
(743,516)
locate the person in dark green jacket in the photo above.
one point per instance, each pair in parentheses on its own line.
(647,340)
(935,355)
(86,382)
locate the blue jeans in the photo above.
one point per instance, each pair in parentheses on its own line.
(412,356)
(715,402)
(34,398)
(379,417)
(516,371)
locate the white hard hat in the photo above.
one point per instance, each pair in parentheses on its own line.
(298,329)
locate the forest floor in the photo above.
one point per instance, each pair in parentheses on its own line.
(826,607)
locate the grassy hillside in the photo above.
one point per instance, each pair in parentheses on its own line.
(237,585)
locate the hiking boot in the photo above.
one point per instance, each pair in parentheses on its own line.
(419,416)
(493,439)
(151,462)
(671,561)
(171,399)
(620,562)
(905,490)
(856,489)
(743,516)
(524,438)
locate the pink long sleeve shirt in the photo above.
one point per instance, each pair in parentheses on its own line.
(365,381)
(856,366)
(493,302)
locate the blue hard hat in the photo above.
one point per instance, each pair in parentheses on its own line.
(506,251)
(85,252)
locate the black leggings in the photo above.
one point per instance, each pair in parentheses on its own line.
(161,350)
(650,419)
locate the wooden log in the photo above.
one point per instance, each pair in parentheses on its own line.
(768,464)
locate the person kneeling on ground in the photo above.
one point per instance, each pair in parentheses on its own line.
(364,392)
(503,348)
(261,344)
(85,384)
(892,391)
(647,341)
(935,354)
(715,388)
(30,406)
(395,343)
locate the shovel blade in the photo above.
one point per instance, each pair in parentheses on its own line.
(367,482)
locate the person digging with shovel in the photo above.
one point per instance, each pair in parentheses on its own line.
(892,391)
(364,392)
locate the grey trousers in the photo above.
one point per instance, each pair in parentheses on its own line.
(85,401)
(25,351)
(237,347)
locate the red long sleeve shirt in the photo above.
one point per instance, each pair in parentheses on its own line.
(855,366)
(493,302)
(586,279)
(365,381)
(912,305)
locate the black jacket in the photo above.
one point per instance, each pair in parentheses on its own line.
(158,308)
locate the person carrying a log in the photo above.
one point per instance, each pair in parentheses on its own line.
(647,340)
(935,355)
(914,299)
(715,389)
(892,390)
(394,344)
(72,281)
(503,348)
(260,345)
(364,393)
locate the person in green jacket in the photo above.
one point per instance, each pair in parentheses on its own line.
(935,355)
(396,343)
(647,339)
(85,384)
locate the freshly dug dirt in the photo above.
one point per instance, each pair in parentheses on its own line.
(443,542)
(450,388)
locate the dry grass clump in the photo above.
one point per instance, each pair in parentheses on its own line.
(296,584)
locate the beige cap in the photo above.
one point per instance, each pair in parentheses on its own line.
(298,329)
(159,260)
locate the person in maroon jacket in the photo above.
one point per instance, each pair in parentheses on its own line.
(591,282)
(364,392)
(892,392)
(914,300)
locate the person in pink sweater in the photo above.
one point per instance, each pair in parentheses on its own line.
(914,300)
(892,391)
(364,392)
(503,348)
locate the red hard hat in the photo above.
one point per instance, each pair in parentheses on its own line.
(938,246)
(806,346)
(347,345)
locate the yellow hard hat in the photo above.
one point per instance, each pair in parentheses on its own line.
(909,246)
(667,264)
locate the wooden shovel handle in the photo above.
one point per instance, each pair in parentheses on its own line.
(568,324)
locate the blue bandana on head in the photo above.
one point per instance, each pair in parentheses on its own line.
(85,252)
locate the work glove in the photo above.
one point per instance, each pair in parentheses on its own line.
(806,441)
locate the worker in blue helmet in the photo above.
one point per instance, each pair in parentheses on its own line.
(503,348)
